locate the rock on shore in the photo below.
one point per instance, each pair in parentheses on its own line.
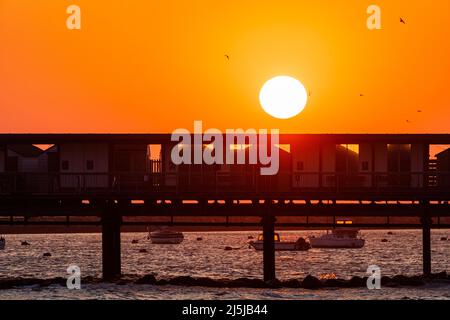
(309,282)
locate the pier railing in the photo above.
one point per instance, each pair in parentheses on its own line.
(221,182)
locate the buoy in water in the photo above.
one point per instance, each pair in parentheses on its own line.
(134,241)
(47,254)
(384,240)
(228,248)
(199,239)
(24,243)
(444,239)
(143,251)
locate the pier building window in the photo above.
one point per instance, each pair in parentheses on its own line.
(65,165)
(365,166)
(90,165)
(122,162)
(12,164)
(347,165)
(399,164)
(347,156)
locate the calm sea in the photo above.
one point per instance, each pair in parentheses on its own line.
(207,258)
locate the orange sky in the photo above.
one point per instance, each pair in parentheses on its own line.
(153,66)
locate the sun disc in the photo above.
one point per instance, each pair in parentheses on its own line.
(283,97)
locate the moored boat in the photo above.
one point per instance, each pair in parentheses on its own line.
(300,245)
(165,236)
(338,238)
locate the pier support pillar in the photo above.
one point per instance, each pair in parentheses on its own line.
(111,245)
(426,245)
(269,247)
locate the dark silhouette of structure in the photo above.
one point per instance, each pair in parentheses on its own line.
(113,177)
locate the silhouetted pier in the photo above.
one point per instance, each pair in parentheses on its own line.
(114,180)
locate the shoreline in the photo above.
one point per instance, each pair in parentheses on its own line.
(309,282)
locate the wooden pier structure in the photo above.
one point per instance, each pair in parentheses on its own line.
(114,180)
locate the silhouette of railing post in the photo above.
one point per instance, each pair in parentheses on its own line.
(111,260)
(426,239)
(426,166)
(268,222)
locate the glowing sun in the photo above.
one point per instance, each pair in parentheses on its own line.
(283,97)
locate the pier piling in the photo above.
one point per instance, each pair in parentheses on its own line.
(111,245)
(269,247)
(426,245)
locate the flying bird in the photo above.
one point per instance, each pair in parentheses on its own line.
(361,95)
(407,121)
(402,21)
(227,56)
(419,111)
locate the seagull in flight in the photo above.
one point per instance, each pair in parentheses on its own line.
(227,56)
(402,21)
(407,121)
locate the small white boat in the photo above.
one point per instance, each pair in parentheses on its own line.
(165,236)
(300,245)
(338,238)
(2,243)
